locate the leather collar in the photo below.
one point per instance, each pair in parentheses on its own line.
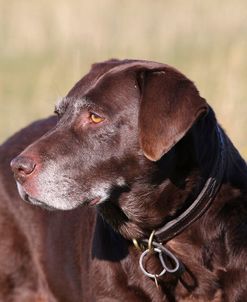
(200,204)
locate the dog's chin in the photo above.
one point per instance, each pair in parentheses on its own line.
(39,203)
(33,201)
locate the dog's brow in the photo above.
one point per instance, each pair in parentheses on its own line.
(63,102)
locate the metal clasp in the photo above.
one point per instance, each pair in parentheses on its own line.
(139,247)
(162,251)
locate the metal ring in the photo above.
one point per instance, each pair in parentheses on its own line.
(153,276)
(136,244)
(150,241)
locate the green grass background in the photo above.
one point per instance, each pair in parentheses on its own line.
(45,46)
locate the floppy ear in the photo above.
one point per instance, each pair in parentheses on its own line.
(170,105)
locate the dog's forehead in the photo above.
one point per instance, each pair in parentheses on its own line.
(107,71)
(113,86)
(111,83)
(111,91)
(89,79)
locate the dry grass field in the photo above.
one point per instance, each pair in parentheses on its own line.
(45,46)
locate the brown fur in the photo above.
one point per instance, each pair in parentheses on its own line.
(151,156)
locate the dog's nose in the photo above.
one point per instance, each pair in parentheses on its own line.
(22,167)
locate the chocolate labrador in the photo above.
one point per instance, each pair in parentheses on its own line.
(147,195)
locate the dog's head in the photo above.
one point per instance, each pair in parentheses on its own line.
(114,126)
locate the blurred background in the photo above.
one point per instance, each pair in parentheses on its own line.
(46,46)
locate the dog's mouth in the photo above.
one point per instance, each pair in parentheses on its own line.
(27,198)
(34,201)
(95,196)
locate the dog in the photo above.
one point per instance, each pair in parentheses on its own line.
(146,195)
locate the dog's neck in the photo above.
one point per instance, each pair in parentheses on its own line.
(177,180)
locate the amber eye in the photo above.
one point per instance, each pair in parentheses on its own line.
(96,118)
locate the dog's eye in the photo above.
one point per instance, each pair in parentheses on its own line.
(96,119)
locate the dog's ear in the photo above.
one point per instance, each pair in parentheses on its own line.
(170,105)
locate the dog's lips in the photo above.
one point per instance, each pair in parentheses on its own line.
(34,201)
(22,192)
(27,198)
